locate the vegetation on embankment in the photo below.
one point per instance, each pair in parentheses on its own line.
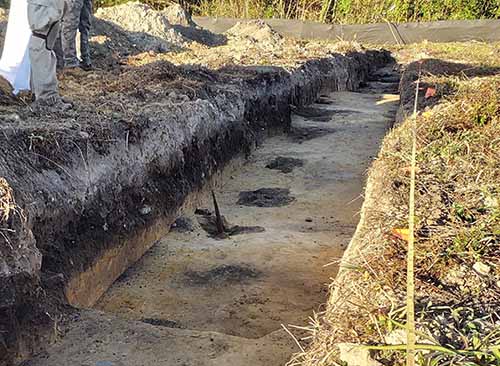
(337,11)
(334,11)
(457,226)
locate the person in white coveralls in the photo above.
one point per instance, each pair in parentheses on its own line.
(15,63)
(28,58)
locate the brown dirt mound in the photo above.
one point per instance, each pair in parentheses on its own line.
(133,28)
(177,15)
(255,32)
(145,27)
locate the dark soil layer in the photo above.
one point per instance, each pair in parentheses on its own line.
(86,180)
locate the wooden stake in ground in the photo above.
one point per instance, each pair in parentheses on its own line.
(218,217)
(410,273)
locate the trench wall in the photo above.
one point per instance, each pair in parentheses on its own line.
(84,217)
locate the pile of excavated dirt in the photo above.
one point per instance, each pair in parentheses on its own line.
(110,44)
(177,15)
(133,28)
(254,32)
(136,34)
(288,55)
(144,26)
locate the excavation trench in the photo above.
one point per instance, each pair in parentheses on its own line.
(292,224)
(133,241)
(202,299)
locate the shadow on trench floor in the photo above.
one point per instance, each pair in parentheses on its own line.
(195,299)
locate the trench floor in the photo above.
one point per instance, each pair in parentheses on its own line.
(199,300)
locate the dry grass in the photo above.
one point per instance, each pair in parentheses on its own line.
(7,203)
(474,52)
(254,9)
(458,228)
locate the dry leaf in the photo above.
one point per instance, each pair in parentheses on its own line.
(407,170)
(402,234)
(430,92)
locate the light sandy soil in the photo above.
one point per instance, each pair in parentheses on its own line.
(212,301)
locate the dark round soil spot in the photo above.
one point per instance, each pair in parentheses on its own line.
(227,273)
(301,134)
(266,197)
(284,164)
(321,114)
(313,113)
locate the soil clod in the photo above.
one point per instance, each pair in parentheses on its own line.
(227,273)
(266,197)
(182,225)
(202,212)
(284,164)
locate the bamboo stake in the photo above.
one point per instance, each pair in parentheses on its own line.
(410,273)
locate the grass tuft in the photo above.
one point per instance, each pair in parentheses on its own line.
(7,204)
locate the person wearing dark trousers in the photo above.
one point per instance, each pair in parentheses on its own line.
(77,18)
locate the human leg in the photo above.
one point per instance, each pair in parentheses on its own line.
(84,28)
(70,25)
